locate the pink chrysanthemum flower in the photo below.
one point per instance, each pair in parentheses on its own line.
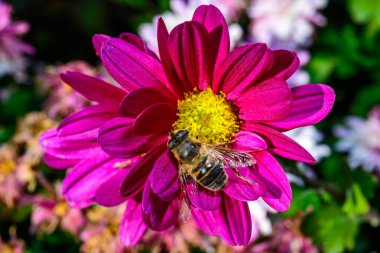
(197,85)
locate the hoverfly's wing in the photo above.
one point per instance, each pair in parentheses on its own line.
(184,206)
(231,158)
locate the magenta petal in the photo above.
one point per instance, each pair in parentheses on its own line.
(311,104)
(138,100)
(247,142)
(131,67)
(268,101)
(108,193)
(157,118)
(162,39)
(94,88)
(204,199)
(159,215)
(64,148)
(279,193)
(241,69)
(132,226)
(216,25)
(164,177)
(80,184)
(234,221)
(59,163)
(98,40)
(242,190)
(139,173)
(188,46)
(284,65)
(117,138)
(87,119)
(280,144)
(205,221)
(137,42)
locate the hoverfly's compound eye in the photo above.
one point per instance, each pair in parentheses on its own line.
(176,138)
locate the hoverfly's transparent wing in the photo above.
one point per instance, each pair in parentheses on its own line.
(231,158)
(184,206)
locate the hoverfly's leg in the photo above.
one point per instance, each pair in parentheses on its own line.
(241,177)
(223,144)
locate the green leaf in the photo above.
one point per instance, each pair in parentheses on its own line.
(367,182)
(133,3)
(303,200)
(356,203)
(331,228)
(366,99)
(366,12)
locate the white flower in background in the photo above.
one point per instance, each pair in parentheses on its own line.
(262,225)
(183,11)
(309,138)
(12,49)
(285,21)
(361,139)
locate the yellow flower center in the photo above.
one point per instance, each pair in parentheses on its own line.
(208,116)
(61,209)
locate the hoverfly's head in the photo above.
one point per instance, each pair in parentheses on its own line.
(176,138)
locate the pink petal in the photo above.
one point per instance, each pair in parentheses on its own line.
(87,119)
(118,139)
(189,51)
(164,177)
(138,100)
(204,199)
(162,39)
(108,193)
(131,67)
(268,101)
(205,221)
(279,143)
(139,173)
(81,183)
(157,118)
(98,40)
(132,227)
(159,215)
(242,190)
(311,104)
(279,193)
(94,88)
(137,42)
(59,163)
(234,221)
(247,142)
(241,69)
(285,63)
(213,20)
(64,148)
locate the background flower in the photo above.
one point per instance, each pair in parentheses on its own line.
(361,139)
(12,49)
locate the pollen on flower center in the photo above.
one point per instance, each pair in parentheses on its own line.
(208,116)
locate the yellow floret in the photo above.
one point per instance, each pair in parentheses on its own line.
(208,116)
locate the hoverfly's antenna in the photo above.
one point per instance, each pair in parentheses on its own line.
(241,177)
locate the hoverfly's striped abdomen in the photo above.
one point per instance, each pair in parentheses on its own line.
(210,174)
